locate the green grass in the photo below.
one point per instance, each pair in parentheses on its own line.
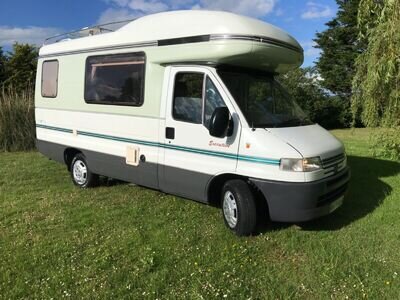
(127,241)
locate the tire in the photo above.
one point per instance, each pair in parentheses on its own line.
(239,207)
(81,174)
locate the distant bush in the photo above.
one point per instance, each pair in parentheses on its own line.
(17,120)
(386,143)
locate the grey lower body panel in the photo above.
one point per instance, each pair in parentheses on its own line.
(180,182)
(297,202)
(184,183)
(51,150)
(145,174)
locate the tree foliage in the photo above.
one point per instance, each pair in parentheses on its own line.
(303,85)
(3,60)
(340,47)
(377,79)
(20,67)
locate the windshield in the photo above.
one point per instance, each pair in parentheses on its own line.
(263,101)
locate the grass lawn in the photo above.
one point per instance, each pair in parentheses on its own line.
(127,241)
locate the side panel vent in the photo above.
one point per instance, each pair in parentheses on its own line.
(132,155)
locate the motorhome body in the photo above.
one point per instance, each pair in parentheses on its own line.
(186,102)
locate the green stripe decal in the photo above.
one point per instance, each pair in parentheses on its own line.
(199,151)
(118,139)
(167,146)
(259,159)
(54,128)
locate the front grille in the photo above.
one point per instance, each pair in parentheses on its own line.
(334,160)
(333,164)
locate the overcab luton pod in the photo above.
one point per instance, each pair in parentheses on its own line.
(186,102)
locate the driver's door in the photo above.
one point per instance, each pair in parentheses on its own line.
(191,155)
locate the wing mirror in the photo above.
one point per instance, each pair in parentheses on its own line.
(220,122)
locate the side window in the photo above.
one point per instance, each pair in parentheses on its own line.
(116,79)
(188,97)
(212,101)
(49,78)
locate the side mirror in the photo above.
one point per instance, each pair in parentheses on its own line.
(219,122)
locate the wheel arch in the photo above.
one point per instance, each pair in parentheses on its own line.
(69,155)
(215,185)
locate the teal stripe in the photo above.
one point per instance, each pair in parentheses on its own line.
(54,128)
(168,146)
(200,151)
(119,139)
(259,159)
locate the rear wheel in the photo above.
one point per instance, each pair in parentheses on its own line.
(81,174)
(239,207)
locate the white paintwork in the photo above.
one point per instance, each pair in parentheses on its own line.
(114,125)
(310,141)
(174,24)
(293,142)
(261,143)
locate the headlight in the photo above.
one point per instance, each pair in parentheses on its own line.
(300,165)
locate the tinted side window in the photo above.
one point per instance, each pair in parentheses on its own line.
(188,97)
(212,101)
(49,78)
(115,79)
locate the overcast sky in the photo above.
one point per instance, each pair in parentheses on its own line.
(32,21)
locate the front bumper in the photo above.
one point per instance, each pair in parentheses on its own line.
(303,201)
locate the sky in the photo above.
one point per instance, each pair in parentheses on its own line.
(31,21)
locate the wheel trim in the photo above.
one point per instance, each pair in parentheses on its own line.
(80,172)
(230,209)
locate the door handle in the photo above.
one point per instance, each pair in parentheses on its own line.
(170,133)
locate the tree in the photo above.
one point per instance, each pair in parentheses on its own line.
(376,82)
(340,47)
(3,60)
(20,66)
(303,84)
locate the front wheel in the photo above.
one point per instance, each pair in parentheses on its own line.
(239,207)
(81,174)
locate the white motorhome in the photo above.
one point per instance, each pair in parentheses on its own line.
(186,102)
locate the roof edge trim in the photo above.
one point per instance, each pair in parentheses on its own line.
(180,41)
